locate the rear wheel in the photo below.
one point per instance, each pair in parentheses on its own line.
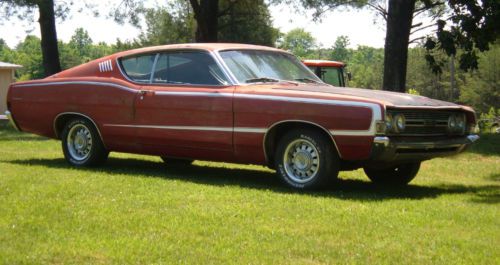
(398,175)
(82,145)
(176,161)
(305,159)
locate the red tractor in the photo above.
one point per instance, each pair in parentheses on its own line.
(331,72)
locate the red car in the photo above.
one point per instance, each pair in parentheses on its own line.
(237,103)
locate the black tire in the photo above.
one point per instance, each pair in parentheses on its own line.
(399,175)
(299,168)
(82,145)
(176,161)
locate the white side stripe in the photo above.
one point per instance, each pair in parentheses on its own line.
(229,129)
(193,94)
(351,133)
(192,128)
(375,108)
(94,83)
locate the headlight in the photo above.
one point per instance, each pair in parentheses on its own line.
(388,122)
(399,123)
(456,123)
(452,122)
(460,123)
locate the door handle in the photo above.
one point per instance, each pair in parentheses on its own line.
(146,92)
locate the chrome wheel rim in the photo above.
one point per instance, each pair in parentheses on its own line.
(79,142)
(301,160)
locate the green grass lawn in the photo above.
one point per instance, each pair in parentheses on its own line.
(137,210)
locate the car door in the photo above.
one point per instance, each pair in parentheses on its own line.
(186,110)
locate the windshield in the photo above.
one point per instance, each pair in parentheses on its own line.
(251,66)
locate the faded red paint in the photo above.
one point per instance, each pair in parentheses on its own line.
(35,109)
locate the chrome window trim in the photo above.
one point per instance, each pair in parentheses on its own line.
(235,80)
(158,53)
(225,68)
(154,68)
(122,72)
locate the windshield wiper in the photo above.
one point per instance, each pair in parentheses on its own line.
(268,80)
(306,80)
(262,79)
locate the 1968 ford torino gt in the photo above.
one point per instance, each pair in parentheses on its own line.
(237,103)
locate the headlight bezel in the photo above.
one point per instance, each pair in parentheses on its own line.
(399,123)
(388,122)
(457,123)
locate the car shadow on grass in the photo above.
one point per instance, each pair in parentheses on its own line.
(348,189)
(8,133)
(488,144)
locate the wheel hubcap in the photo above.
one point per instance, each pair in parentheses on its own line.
(79,142)
(301,160)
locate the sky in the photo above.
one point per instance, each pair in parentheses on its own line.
(362,27)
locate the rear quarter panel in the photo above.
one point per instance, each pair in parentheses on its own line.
(35,105)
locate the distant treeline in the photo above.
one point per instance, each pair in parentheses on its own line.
(479,89)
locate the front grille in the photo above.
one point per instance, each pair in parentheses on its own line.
(425,122)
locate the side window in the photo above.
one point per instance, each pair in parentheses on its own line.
(331,75)
(195,68)
(138,68)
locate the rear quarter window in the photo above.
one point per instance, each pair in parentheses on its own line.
(138,68)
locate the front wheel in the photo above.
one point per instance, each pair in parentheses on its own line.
(81,144)
(398,175)
(306,159)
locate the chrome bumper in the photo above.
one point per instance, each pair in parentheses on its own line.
(11,120)
(395,150)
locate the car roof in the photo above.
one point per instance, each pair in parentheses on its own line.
(323,63)
(198,46)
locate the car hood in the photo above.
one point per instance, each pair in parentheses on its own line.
(387,97)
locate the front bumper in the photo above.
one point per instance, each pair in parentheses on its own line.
(11,120)
(403,149)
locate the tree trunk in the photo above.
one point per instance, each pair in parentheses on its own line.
(454,92)
(206,13)
(50,51)
(399,22)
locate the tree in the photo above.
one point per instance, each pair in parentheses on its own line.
(340,52)
(399,24)
(299,42)
(321,6)
(366,66)
(246,21)
(243,21)
(233,20)
(206,13)
(173,24)
(82,43)
(481,87)
(473,27)
(29,55)
(47,14)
